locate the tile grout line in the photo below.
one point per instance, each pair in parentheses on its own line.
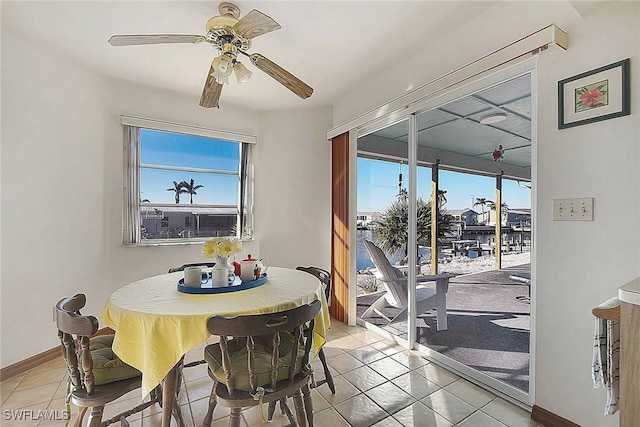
(387,349)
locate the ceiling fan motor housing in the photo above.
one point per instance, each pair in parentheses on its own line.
(220,32)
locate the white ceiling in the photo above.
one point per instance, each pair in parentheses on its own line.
(455,127)
(328,44)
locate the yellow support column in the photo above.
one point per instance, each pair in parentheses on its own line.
(434,217)
(499,221)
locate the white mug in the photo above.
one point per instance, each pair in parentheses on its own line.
(194,277)
(221,278)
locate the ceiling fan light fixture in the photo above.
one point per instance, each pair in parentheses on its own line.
(242,73)
(493,118)
(222,79)
(222,64)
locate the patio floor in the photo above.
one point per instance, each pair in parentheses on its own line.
(488,324)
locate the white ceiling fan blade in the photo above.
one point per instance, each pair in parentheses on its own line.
(287,79)
(140,39)
(254,24)
(211,92)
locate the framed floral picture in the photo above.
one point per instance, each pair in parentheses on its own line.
(595,95)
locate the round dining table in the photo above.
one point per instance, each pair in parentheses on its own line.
(156,324)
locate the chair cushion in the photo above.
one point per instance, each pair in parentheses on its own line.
(263,347)
(107,367)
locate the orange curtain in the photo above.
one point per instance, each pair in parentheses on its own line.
(340,227)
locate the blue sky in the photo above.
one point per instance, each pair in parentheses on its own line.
(378,187)
(161,148)
(377,179)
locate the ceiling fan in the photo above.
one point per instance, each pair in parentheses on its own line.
(231,36)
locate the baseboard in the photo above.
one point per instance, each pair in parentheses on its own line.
(549,419)
(40,358)
(31,362)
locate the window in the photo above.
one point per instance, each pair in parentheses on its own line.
(186,183)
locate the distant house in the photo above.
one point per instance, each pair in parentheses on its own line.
(365,220)
(518,217)
(468,228)
(187,221)
(464,216)
(511,217)
(461,219)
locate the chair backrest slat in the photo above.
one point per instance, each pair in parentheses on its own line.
(71,359)
(275,356)
(308,340)
(386,272)
(294,352)
(87,365)
(226,364)
(251,364)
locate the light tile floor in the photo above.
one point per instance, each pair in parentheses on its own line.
(378,383)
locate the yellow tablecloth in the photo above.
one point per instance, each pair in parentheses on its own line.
(156,324)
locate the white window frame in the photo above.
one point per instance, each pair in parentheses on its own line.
(131,190)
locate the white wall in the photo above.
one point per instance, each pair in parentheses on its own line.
(293,188)
(501,25)
(579,264)
(62,176)
(582,264)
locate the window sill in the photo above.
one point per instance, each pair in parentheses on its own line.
(174,242)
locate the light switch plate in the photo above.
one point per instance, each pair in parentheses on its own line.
(573,209)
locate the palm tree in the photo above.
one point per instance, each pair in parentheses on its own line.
(179,189)
(392,228)
(504,208)
(442,199)
(481,201)
(190,188)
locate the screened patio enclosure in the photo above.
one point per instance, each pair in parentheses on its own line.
(472,156)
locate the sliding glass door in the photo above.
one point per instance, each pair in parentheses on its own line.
(448,190)
(382,222)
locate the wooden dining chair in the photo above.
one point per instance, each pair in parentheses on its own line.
(192,264)
(96,375)
(325,277)
(262,358)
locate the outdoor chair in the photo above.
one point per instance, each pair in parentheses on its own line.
(325,278)
(262,358)
(96,375)
(525,278)
(396,294)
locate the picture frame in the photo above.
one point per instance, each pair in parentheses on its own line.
(592,96)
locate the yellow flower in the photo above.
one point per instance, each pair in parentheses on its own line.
(221,246)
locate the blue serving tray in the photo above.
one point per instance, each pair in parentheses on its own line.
(207,288)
